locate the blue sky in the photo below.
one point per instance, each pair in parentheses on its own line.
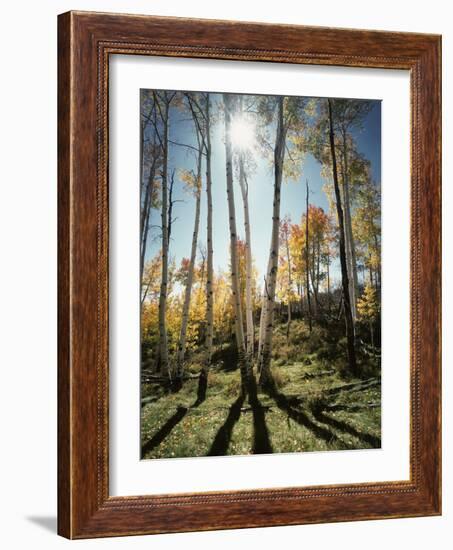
(293,195)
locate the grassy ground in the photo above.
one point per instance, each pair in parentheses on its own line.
(313,408)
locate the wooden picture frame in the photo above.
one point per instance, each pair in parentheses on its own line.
(85,42)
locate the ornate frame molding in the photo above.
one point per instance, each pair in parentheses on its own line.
(86,40)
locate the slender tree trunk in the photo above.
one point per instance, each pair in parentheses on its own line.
(210,252)
(248,260)
(348,251)
(290,283)
(263,317)
(340,306)
(279,155)
(318,262)
(142,147)
(145,217)
(353,278)
(328,282)
(143,126)
(147,203)
(188,289)
(315,280)
(170,205)
(248,253)
(142,179)
(307,262)
(378,270)
(236,295)
(163,342)
(314,283)
(299,294)
(344,271)
(301,299)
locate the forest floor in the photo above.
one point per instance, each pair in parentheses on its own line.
(314,407)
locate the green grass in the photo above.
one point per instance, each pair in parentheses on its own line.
(304,415)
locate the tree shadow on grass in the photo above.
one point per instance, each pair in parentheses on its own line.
(261,441)
(201,389)
(373,441)
(299,416)
(219,447)
(222,439)
(166,429)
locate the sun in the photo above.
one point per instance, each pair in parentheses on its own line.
(242,133)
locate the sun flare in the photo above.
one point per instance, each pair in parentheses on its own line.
(242,133)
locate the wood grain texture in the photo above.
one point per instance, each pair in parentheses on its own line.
(85,42)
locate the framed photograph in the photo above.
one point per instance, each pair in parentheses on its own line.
(249,275)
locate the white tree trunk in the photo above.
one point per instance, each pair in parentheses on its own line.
(264,360)
(236,297)
(290,284)
(147,203)
(188,290)
(307,258)
(145,216)
(210,275)
(248,261)
(263,317)
(163,342)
